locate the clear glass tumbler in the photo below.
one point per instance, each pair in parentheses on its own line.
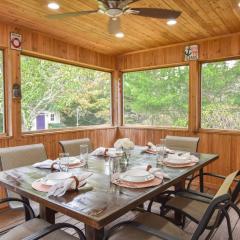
(114,167)
(84,153)
(161,149)
(64,162)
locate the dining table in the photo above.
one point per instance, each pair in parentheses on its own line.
(106,201)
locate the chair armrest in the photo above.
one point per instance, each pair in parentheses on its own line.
(52,228)
(28,210)
(204,174)
(202,197)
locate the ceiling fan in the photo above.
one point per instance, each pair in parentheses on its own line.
(116,8)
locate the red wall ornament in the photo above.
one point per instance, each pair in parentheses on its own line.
(16,41)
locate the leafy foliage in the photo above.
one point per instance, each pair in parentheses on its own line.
(221,95)
(160,96)
(67,89)
(153,97)
(157,97)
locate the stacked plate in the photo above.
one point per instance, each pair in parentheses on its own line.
(176,161)
(136,176)
(70,161)
(54,178)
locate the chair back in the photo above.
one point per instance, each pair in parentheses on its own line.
(226,185)
(19,156)
(73,146)
(188,144)
(219,203)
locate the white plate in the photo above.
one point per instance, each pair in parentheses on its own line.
(177,160)
(54,178)
(136,176)
(71,161)
(58,175)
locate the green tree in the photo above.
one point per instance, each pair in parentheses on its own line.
(51,86)
(221,95)
(157,97)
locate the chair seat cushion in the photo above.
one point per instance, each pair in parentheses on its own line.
(33,226)
(191,207)
(153,221)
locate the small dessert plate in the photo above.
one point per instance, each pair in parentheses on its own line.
(136,176)
(54,178)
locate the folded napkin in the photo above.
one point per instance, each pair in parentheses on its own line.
(102,151)
(152,149)
(47,164)
(157,172)
(73,183)
(183,158)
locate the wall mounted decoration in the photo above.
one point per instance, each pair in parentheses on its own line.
(17,91)
(16,41)
(191,52)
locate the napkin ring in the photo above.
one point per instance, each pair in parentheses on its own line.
(52,166)
(105,152)
(77,182)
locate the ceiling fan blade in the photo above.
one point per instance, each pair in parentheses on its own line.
(71,14)
(156,13)
(125,3)
(114,25)
(132,1)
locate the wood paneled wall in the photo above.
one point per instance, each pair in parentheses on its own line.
(224,143)
(210,49)
(38,43)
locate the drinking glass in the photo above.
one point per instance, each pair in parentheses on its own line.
(119,151)
(161,149)
(114,167)
(84,153)
(63,162)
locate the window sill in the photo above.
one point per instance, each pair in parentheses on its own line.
(133,126)
(219,131)
(68,130)
(5,136)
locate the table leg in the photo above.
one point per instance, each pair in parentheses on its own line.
(93,233)
(47,214)
(178,216)
(201,180)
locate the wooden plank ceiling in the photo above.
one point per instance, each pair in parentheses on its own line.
(199,19)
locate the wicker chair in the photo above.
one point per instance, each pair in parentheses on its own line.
(73,146)
(36,228)
(149,226)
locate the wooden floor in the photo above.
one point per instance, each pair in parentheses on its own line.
(10,218)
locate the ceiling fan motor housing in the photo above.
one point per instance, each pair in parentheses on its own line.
(114,12)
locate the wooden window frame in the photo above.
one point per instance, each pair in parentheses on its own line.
(76,64)
(213,130)
(5,133)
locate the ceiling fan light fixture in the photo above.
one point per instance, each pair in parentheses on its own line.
(119,35)
(53,5)
(171,22)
